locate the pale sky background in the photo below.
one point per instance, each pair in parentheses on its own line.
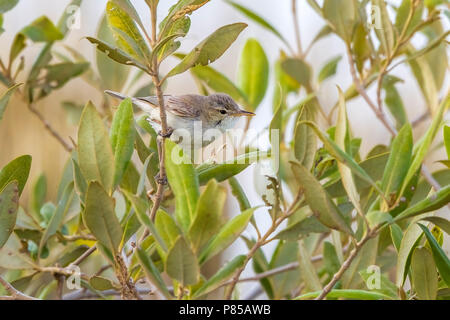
(23,134)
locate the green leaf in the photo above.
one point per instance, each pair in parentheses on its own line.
(167,228)
(102,283)
(122,138)
(346,294)
(6,5)
(319,201)
(398,163)
(307,269)
(302,228)
(342,156)
(42,30)
(95,154)
(79,181)
(228,169)
(329,69)
(402,16)
(298,70)
(386,33)
(113,74)
(410,240)
(126,33)
(259,20)
(6,96)
(227,235)
(219,83)
(208,215)
(100,218)
(17,170)
(435,201)
(394,102)
(181,263)
(253,75)
(116,54)
(38,194)
(210,49)
(178,12)
(9,204)
(140,206)
(17,47)
(447,140)
(421,149)
(58,216)
(152,273)
(217,280)
(238,192)
(342,15)
(59,74)
(184,183)
(305,141)
(423,274)
(342,137)
(396,235)
(442,223)
(440,258)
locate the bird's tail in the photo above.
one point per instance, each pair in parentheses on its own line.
(116,94)
(144,105)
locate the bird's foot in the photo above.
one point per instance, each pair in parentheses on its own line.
(168,134)
(161,180)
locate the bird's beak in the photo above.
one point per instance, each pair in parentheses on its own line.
(243,113)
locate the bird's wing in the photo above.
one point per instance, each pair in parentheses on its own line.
(181,106)
(184,106)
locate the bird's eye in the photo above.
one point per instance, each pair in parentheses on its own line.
(223,111)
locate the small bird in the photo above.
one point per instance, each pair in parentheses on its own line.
(216,111)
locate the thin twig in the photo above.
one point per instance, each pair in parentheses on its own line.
(296,28)
(49,127)
(15,294)
(261,242)
(337,276)
(86,254)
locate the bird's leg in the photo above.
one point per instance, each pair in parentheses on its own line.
(163,181)
(213,155)
(168,134)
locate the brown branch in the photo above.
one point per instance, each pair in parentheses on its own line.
(164,128)
(337,276)
(261,242)
(49,128)
(15,294)
(86,254)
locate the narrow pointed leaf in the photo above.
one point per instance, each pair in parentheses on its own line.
(9,204)
(122,138)
(253,76)
(319,201)
(18,170)
(423,274)
(208,215)
(440,258)
(210,49)
(227,235)
(95,154)
(99,216)
(181,263)
(184,183)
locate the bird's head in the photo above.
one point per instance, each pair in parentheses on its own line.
(222,106)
